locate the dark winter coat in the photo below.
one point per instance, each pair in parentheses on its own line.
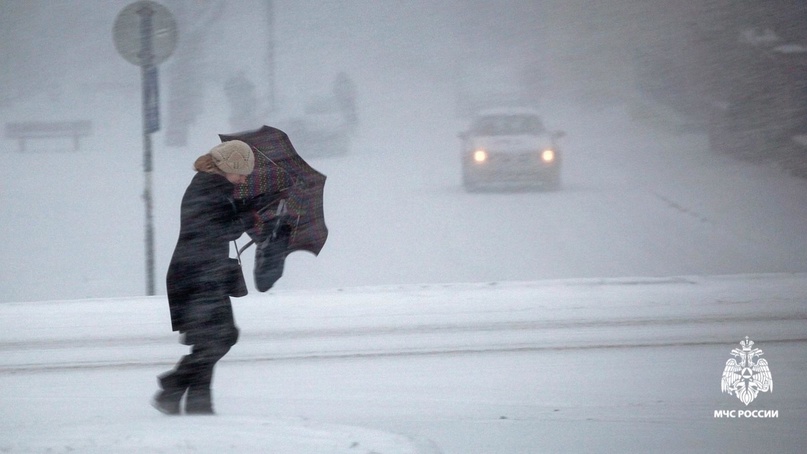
(209,220)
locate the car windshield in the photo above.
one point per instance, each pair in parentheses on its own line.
(502,125)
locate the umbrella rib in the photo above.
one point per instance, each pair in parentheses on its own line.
(273,162)
(264,155)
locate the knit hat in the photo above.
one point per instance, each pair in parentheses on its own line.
(233,156)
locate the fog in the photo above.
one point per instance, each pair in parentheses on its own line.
(647,189)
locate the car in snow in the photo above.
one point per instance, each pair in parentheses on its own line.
(510,148)
(322,130)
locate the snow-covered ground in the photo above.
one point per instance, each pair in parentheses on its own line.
(586,365)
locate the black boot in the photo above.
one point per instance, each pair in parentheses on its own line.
(199,401)
(173,387)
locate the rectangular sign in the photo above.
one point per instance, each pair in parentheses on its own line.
(151,102)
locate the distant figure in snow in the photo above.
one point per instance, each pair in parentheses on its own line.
(240,93)
(198,280)
(344,91)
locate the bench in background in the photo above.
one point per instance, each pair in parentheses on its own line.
(49,130)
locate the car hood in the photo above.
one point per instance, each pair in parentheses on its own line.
(511,143)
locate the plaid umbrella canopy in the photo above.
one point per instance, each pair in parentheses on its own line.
(280,173)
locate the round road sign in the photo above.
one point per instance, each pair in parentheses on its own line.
(129,28)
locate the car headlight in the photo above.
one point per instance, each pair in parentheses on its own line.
(548,156)
(480,156)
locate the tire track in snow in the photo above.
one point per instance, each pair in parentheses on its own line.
(336,355)
(437,328)
(421,340)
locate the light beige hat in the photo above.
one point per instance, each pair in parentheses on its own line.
(233,156)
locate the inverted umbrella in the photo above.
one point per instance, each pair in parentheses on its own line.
(282,175)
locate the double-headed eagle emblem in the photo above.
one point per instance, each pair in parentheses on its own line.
(748,377)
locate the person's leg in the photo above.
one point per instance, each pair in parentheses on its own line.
(173,385)
(214,341)
(199,399)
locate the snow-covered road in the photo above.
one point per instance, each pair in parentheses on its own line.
(635,202)
(594,365)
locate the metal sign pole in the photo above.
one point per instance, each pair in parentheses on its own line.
(148,72)
(149,217)
(145,34)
